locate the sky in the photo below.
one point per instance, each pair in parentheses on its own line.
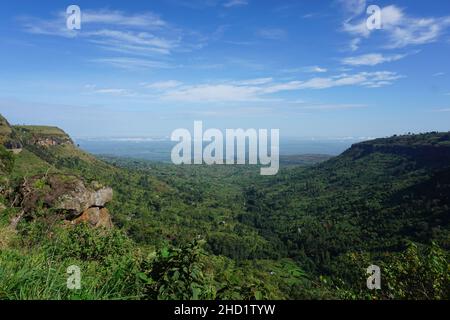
(145,68)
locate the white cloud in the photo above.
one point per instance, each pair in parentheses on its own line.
(145,20)
(354,44)
(400,29)
(114,92)
(163,85)
(131,63)
(364,79)
(134,34)
(132,42)
(314,69)
(439,74)
(259,90)
(371,59)
(353,7)
(292,85)
(252,82)
(333,106)
(235,3)
(310,69)
(209,93)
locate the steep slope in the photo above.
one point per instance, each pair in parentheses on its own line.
(48,173)
(5,129)
(8,137)
(372,198)
(51,149)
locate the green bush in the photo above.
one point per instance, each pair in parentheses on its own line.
(177,274)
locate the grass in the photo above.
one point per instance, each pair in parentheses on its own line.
(28,164)
(42,130)
(6,237)
(39,271)
(5,129)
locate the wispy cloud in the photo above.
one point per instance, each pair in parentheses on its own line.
(144,20)
(92,89)
(364,79)
(113,91)
(354,44)
(309,69)
(235,3)
(212,93)
(254,82)
(131,63)
(401,29)
(134,34)
(163,85)
(261,89)
(131,42)
(353,7)
(333,106)
(371,59)
(314,69)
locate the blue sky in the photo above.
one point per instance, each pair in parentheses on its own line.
(309,68)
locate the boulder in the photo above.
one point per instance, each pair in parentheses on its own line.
(95,217)
(81,199)
(70,196)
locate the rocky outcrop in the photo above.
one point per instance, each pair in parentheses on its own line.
(81,198)
(50,141)
(95,217)
(69,196)
(41,136)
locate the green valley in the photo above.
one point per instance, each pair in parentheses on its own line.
(224,232)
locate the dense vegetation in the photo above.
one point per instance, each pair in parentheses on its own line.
(225,232)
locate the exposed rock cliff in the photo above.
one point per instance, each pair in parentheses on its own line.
(69,196)
(42,136)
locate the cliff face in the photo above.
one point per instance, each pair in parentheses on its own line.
(58,194)
(42,136)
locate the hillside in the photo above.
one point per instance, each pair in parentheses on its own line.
(372,200)
(142,230)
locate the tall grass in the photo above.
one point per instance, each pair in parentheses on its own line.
(39,272)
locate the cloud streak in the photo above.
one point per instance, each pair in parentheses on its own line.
(133,34)
(371,59)
(261,89)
